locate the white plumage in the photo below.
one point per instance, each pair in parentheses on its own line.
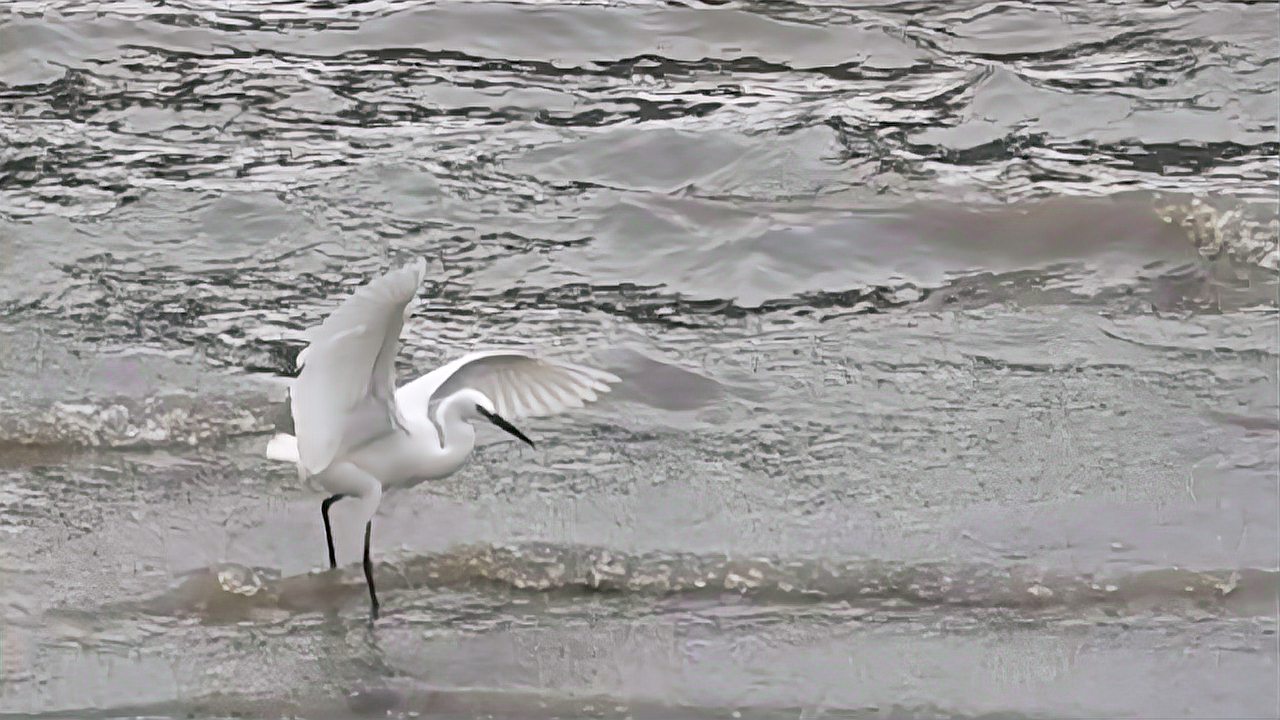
(356,434)
(345,394)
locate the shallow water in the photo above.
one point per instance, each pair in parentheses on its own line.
(948,331)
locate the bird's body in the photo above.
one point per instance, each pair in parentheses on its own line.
(397,459)
(357,435)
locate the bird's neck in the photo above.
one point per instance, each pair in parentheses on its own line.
(458,436)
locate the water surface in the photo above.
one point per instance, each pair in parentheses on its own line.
(948,331)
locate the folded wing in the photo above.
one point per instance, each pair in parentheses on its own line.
(345,393)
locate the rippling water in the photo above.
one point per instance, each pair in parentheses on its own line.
(948,331)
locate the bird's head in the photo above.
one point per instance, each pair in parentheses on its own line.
(476,405)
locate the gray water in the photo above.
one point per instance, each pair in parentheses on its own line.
(948,334)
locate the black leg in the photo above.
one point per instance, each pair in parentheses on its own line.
(328,534)
(368,572)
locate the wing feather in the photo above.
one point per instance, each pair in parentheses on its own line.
(545,400)
(519,384)
(345,393)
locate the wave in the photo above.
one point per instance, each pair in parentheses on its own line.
(1247,233)
(577,569)
(132,423)
(1110,251)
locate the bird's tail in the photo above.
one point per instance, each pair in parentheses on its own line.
(283,448)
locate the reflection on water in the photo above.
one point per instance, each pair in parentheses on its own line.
(948,335)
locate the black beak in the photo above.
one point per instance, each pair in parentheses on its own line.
(497,419)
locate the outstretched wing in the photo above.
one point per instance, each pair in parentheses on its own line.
(345,394)
(520,385)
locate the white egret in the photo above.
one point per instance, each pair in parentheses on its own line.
(357,435)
